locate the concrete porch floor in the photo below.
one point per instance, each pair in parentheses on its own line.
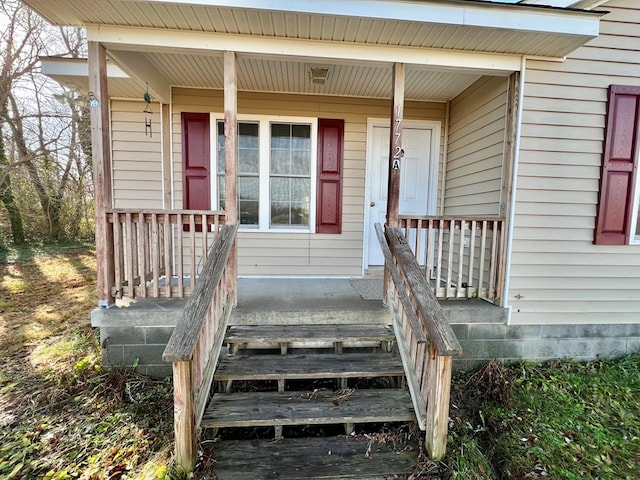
(352,298)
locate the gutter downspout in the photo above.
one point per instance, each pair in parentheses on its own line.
(514,188)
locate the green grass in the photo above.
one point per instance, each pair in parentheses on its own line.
(564,420)
(62,416)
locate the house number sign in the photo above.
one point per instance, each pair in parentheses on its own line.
(397,136)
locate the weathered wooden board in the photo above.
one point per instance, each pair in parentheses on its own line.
(305,333)
(246,409)
(279,367)
(313,459)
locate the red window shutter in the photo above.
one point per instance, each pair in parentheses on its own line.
(329,189)
(196,187)
(619,162)
(196,194)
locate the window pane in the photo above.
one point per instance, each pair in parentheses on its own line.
(290,201)
(301,137)
(280,189)
(248,188)
(280,135)
(220,147)
(221,191)
(300,190)
(280,161)
(300,162)
(280,214)
(248,161)
(248,148)
(248,135)
(299,214)
(249,212)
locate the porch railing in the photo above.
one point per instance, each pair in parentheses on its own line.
(159,253)
(426,342)
(462,256)
(194,346)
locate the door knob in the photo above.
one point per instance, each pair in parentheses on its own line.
(372,204)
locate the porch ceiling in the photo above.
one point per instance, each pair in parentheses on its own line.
(269,75)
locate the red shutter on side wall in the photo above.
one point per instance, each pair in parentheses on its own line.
(330,161)
(619,162)
(196,187)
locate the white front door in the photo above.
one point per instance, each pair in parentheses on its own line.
(418,178)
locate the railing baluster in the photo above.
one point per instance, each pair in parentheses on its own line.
(143,255)
(205,238)
(192,249)
(460,292)
(155,252)
(168,260)
(483,250)
(493,262)
(118,254)
(430,243)
(180,254)
(439,259)
(452,229)
(129,260)
(472,252)
(501,251)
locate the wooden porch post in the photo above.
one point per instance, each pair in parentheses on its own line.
(231,160)
(101,157)
(395,145)
(165,117)
(395,159)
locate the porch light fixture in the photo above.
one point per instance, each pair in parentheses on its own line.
(318,75)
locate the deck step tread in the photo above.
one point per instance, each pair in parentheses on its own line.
(309,333)
(308,366)
(264,409)
(314,459)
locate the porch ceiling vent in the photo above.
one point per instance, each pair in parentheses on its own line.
(318,75)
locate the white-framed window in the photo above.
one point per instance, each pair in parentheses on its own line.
(276,171)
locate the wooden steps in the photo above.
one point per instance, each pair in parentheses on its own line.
(305,336)
(247,366)
(313,457)
(266,409)
(322,459)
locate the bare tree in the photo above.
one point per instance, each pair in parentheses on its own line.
(49,140)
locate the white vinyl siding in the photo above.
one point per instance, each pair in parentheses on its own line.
(476,147)
(303,254)
(137,184)
(557,274)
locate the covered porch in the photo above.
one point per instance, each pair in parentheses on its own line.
(443,93)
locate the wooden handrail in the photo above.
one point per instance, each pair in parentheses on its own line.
(435,320)
(196,342)
(425,339)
